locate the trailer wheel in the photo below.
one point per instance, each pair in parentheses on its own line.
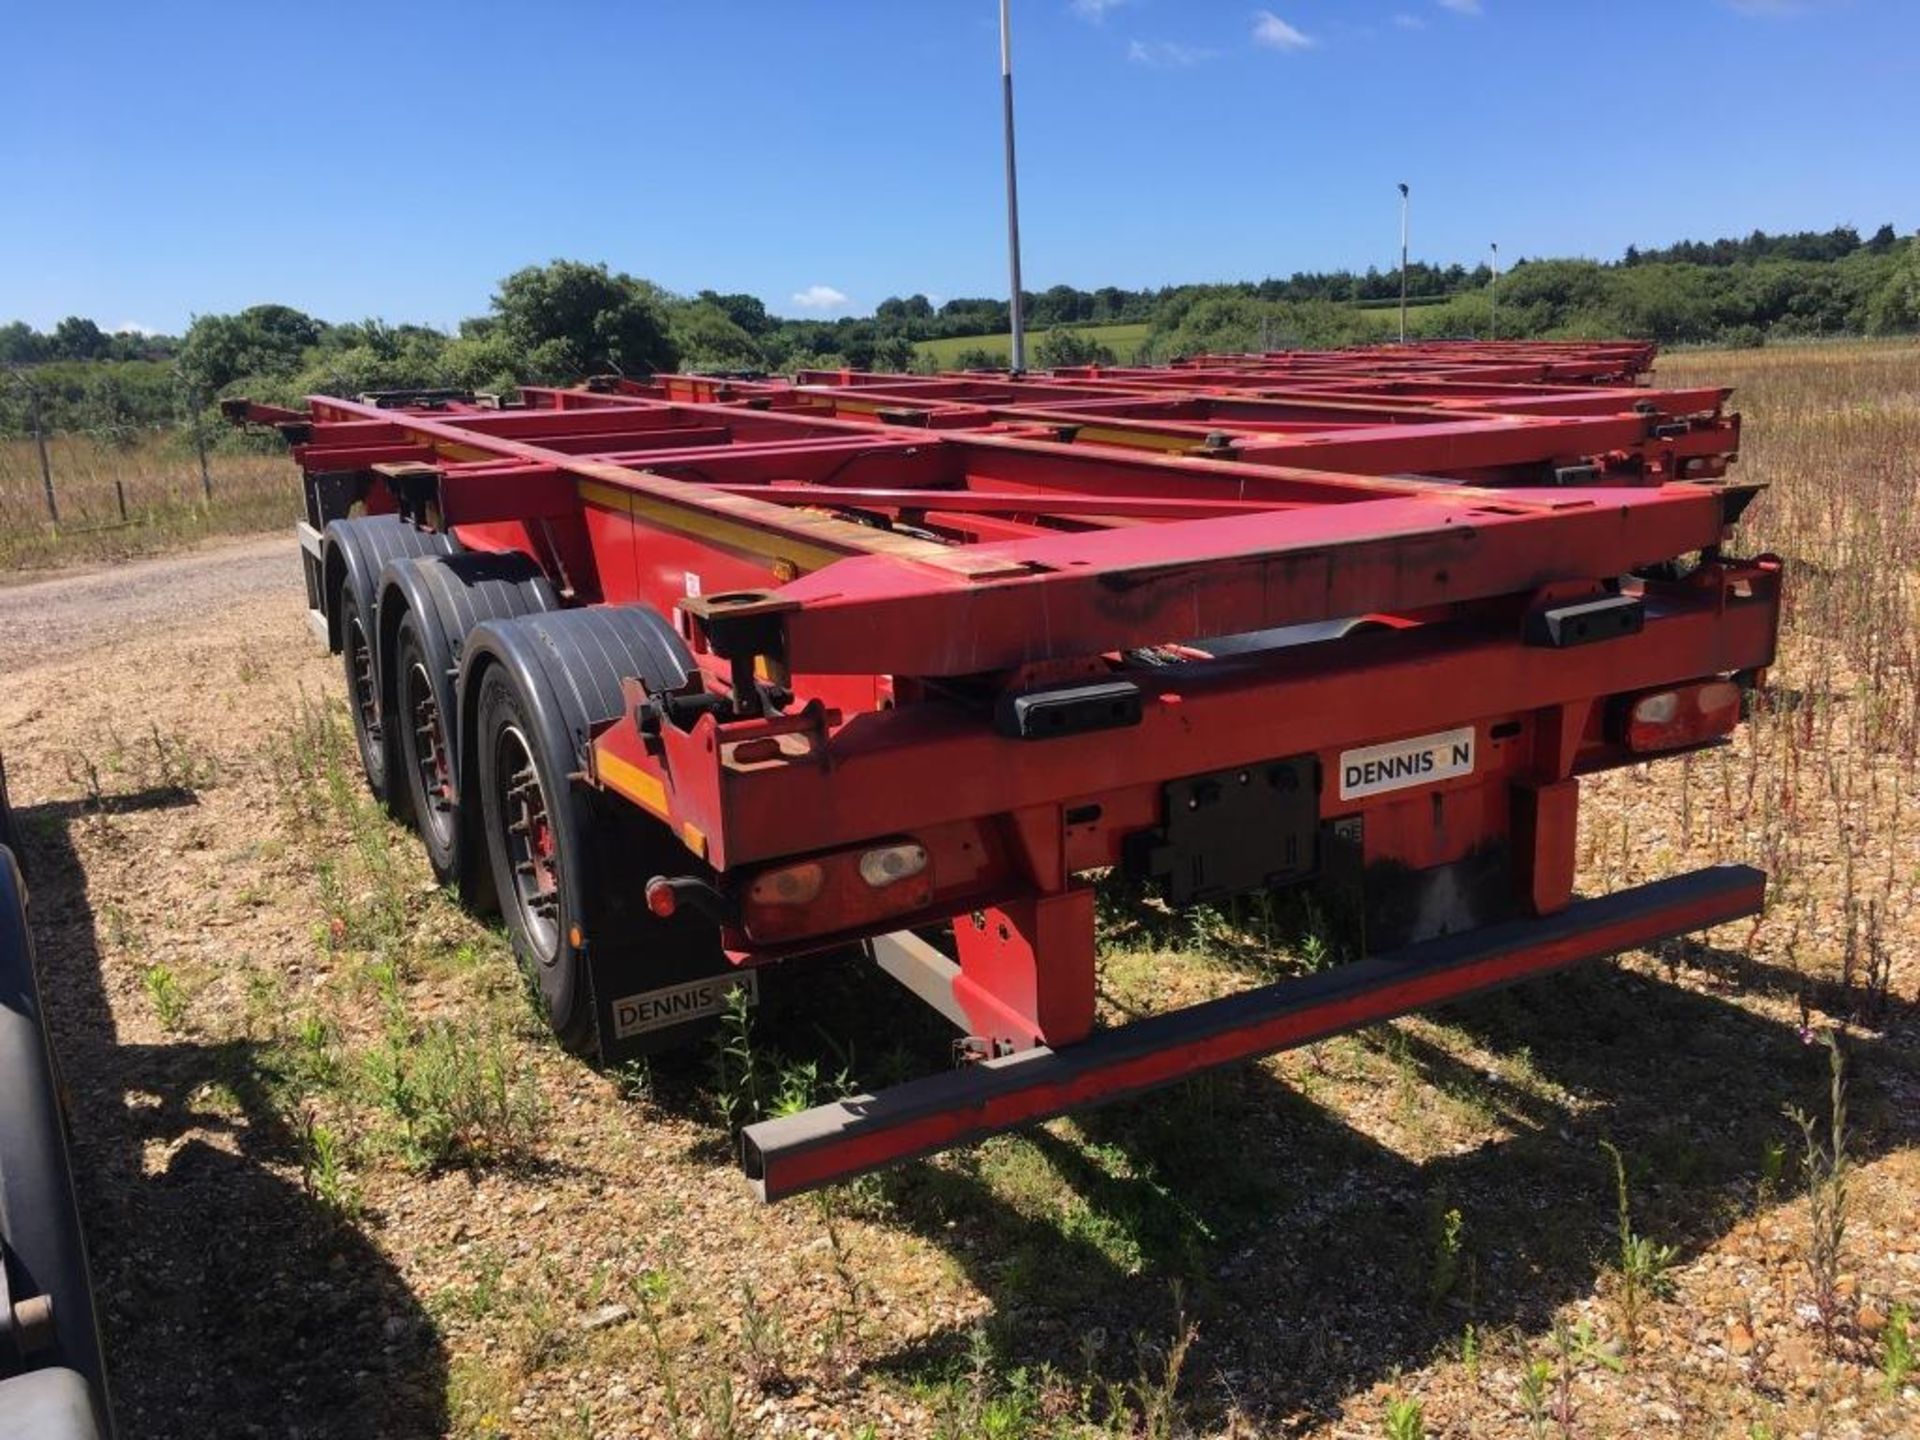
(363,699)
(535,843)
(569,862)
(425,760)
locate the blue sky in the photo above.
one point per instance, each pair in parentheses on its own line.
(396,160)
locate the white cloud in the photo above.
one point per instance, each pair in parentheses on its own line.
(819,297)
(1462,7)
(1406,21)
(133,327)
(1167,54)
(1276,34)
(1094,11)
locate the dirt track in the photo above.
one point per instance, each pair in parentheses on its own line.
(69,613)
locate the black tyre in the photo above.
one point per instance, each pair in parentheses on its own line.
(570,863)
(537,847)
(357,658)
(418,730)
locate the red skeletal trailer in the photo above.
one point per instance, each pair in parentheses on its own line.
(694,674)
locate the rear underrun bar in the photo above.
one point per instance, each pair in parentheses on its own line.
(869,1132)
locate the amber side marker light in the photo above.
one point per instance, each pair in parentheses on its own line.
(1682,716)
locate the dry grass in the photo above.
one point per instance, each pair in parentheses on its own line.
(166,505)
(1417,1226)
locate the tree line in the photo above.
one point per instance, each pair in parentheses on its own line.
(558,322)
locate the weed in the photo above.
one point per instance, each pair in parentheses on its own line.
(651,1291)
(634,1079)
(323,1170)
(1896,1349)
(315,1064)
(1773,1169)
(178,765)
(836,1340)
(485,1294)
(761,1341)
(1443,1270)
(795,1088)
(720,1408)
(1573,1346)
(457,1093)
(985,1405)
(266,1001)
(1470,1353)
(1536,1388)
(736,1069)
(1157,1387)
(1641,1266)
(1827,1171)
(169,1001)
(1405,1420)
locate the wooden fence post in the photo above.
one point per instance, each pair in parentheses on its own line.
(40,443)
(200,445)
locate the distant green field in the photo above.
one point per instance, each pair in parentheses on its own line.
(1123,340)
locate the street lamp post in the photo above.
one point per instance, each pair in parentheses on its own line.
(1019,346)
(1404,195)
(1493,296)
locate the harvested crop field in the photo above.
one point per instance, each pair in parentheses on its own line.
(337,1181)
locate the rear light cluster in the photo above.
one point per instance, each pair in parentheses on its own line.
(842,891)
(1683,716)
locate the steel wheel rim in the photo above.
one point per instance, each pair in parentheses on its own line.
(428,750)
(529,843)
(359,656)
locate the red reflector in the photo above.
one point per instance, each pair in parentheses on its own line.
(1685,715)
(660,897)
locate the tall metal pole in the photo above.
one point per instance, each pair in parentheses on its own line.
(1019,358)
(1403,261)
(1493,296)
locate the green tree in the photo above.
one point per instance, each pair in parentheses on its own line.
(21,344)
(1895,307)
(78,339)
(572,319)
(749,312)
(707,339)
(270,340)
(1070,347)
(483,362)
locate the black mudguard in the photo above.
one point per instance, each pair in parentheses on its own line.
(454,594)
(355,551)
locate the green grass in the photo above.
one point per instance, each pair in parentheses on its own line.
(1123,340)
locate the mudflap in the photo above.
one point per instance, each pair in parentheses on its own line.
(658,986)
(1406,906)
(673,1013)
